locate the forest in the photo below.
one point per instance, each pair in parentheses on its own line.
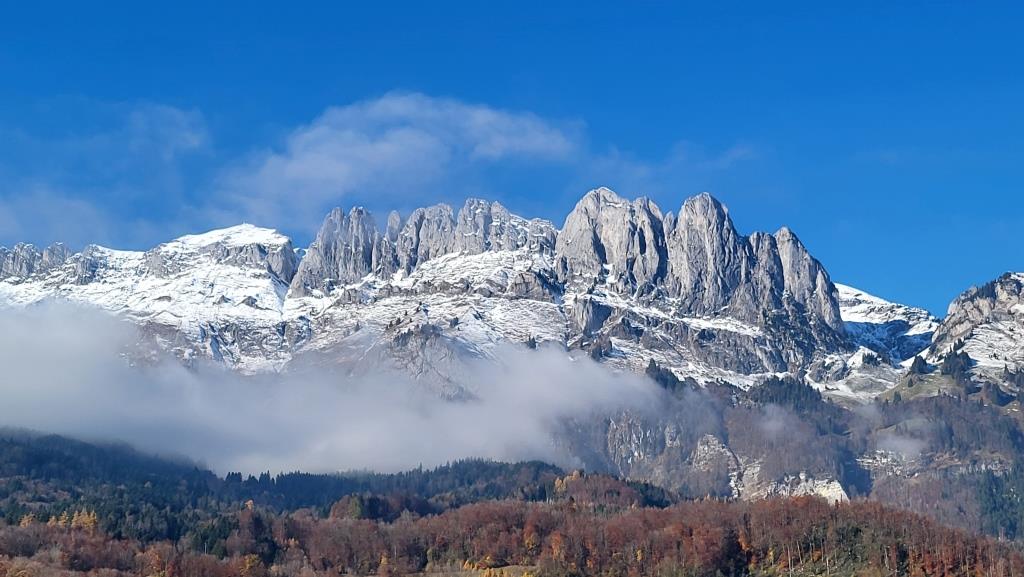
(592,526)
(74,508)
(69,507)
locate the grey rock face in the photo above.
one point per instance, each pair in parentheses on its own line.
(283,262)
(87,265)
(589,315)
(806,280)
(279,260)
(709,262)
(987,322)
(173,258)
(428,233)
(992,302)
(608,237)
(483,226)
(697,258)
(347,248)
(25,260)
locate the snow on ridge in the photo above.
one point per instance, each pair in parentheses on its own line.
(877,319)
(857,306)
(244,234)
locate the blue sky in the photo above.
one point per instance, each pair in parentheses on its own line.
(887,135)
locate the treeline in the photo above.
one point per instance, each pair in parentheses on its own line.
(147,499)
(802,536)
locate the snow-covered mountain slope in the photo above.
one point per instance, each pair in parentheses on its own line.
(185,293)
(682,296)
(896,331)
(622,281)
(885,337)
(987,323)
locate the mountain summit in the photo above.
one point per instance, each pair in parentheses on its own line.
(621,280)
(733,327)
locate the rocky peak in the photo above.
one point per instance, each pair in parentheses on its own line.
(394,226)
(428,233)
(806,281)
(25,260)
(349,247)
(484,226)
(342,252)
(607,237)
(244,245)
(696,258)
(708,260)
(987,318)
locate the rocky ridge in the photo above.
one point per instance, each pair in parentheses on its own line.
(987,323)
(621,282)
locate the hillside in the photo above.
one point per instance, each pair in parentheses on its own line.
(474,517)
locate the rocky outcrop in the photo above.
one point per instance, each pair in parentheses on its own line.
(609,239)
(805,280)
(25,260)
(999,300)
(710,263)
(349,247)
(483,226)
(244,246)
(697,258)
(428,233)
(986,322)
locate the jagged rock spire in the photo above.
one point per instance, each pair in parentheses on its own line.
(606,236)
(349,247)
(25,259)
(697,257)
(343,251)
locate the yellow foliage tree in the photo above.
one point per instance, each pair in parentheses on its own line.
(252,566)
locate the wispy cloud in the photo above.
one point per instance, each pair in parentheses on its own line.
(66,372)
(81,182)
(38,212)
(397,146)
(145,172)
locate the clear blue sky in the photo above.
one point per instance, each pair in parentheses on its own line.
(888,135)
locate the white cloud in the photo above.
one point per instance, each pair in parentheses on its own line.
(165,131)
(64,372)
(134,181)
(397,146)
(37,212)
(98,185)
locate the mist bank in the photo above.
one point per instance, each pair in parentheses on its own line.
(77,372)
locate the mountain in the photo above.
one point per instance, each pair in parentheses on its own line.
(759,355)
(620,280)
(896,331)
(987,323)
(74,509)
(884,335)
(218,295)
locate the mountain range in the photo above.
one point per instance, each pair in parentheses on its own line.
(682,296)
